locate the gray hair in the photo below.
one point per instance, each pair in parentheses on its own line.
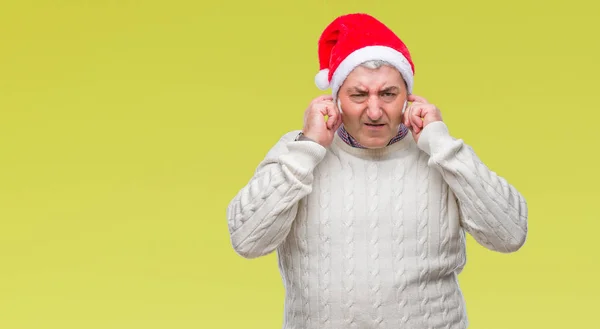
(377,63)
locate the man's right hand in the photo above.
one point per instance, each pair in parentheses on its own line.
(315,126)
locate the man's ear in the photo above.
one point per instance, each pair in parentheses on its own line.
(339,105)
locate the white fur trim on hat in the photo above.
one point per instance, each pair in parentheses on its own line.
(365,54)
(322,79)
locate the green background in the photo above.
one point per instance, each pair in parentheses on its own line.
(126,127)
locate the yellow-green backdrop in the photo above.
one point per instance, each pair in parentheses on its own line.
(126,127)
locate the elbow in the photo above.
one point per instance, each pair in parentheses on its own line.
(517,242)
(250,253)
(257,238)
(520,237)
(241,247)
(518,232)
(506,243)
(248,248)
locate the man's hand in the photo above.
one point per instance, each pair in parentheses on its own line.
(315,126)
(419,114)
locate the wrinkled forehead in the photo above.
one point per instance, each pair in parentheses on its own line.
(379,79)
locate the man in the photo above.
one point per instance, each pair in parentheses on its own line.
(368,209)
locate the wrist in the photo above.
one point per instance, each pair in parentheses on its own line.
(302,137)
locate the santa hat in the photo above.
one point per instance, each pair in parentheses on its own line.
(353,39)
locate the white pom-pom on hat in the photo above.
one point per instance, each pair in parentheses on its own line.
(322,79)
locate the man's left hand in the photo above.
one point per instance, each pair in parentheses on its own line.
(419,114)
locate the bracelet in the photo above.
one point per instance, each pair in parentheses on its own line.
(302,137)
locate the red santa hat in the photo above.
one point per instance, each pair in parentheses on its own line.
(353,39)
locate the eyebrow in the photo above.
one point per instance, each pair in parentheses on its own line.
(356,90)
(384,90)
(391,88)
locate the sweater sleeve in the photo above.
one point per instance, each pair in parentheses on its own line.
(492,211)
(262,212)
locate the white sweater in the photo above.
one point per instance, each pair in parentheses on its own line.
(374,238)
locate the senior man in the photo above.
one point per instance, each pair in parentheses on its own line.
(368,205)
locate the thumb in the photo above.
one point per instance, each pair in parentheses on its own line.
(415,98)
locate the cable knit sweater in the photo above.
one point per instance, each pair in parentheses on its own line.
(374,238)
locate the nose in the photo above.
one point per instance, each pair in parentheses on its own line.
(374,111)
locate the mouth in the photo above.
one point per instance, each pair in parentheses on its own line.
(374,125)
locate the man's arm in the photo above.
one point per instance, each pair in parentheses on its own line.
(492,210)
(261,214)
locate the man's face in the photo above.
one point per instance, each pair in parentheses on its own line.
(372,102)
